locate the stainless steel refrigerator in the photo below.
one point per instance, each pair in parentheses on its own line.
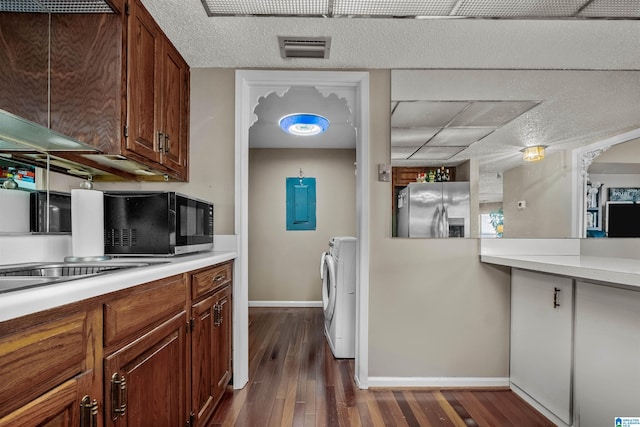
(434,209)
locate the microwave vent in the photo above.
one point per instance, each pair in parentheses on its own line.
(121,237)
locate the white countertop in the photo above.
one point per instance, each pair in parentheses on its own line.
(614,271)
(27,301)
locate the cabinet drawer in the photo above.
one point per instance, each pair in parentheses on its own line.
(35,361)
(134,313)
(210,279)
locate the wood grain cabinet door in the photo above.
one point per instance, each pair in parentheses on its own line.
(153,367)
(174,110)
(210,352)
(222,341)
(59,407)
(144,41)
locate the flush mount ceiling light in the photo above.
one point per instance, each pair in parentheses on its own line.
(304,124)
(532,154)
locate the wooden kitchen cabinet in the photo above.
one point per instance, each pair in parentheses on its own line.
(47,369)
(542,339)
(118,84)
(155,354)
(210,339)
(157,94)
(145,355)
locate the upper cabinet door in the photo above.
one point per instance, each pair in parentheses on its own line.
(143,83)
(174,111)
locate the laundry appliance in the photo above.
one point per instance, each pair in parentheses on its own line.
(338,274)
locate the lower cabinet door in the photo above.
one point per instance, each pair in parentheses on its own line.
(145,381)
(542,339)
(607,347)
(59,407)
(211,352)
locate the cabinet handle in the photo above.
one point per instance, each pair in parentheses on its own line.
(160,142)
(88,412)
(118,396)
(556,297)
(219,278)
(217,315)
(167,142)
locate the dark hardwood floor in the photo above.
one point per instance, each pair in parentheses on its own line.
(295,381)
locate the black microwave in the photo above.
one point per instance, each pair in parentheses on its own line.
(156,223)
(55,219)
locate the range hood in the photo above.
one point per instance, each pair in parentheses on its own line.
(28,142)
(18,134)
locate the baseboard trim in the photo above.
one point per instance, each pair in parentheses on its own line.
(285,303)
(436,382)
(539,407)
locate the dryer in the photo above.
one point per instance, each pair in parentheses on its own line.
(338,274)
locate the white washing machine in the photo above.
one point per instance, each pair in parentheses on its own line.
(338,274)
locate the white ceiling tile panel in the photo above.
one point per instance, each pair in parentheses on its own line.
(459,136)
(271,7)
(491,114)
(425,113)
(612,8)
(411,137)
(436,153)
(393,7)
(402,153)
(519,8)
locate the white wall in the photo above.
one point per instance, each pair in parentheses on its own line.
(285,265)
(546,188)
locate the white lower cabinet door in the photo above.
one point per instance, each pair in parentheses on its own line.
(542,339)
(607,376)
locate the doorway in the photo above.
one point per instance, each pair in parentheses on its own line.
(250,85)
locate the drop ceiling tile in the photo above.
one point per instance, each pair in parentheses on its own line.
(519,8)
(425,113)
(458,136)
(611,8)
(491,113)
(413,137)
(436,153)
(393,7)
(260,7)
(402,153)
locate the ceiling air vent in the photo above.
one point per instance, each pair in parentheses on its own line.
(304,47)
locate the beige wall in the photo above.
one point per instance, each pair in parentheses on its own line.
(435,310)
(546,188)
(212,150)
(285,265)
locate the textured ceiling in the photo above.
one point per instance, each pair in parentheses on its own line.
(584,73)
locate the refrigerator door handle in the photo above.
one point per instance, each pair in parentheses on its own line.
(445,222)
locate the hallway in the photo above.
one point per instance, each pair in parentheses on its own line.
(295,381)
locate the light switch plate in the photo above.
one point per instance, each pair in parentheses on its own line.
(384,172)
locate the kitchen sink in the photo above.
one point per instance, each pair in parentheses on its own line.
(21,276)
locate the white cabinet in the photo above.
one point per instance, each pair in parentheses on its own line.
(607,346)
(542,339)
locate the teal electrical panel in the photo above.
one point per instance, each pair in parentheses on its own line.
(301,203)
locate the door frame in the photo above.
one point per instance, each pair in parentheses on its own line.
(247,83)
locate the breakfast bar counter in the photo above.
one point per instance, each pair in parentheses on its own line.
(575,328)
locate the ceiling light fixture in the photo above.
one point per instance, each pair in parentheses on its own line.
(533,153)
(304,124)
